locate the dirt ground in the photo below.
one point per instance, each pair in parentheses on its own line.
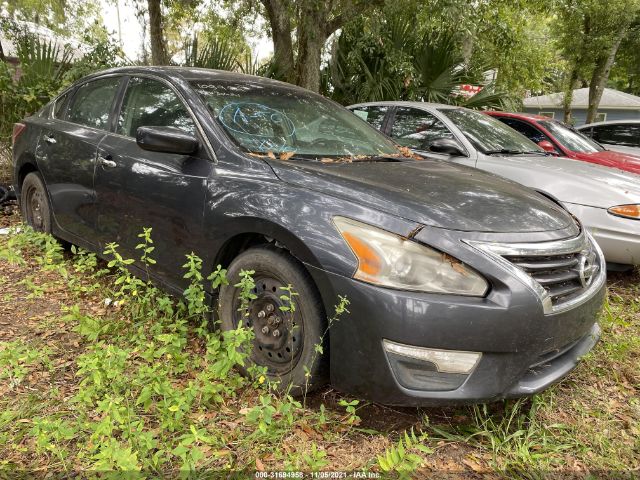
(588,425)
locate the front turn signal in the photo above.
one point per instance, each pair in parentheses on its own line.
(626,211)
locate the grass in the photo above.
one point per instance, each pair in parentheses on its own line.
(101,372)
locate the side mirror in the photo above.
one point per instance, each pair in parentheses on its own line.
(166,140)
(448,146)
(547,146)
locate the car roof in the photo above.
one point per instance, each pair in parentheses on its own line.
(522,115)
(610,122)
(195,74)
(405,104)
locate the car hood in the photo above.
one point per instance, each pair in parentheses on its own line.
(431,192)
(609,158)
(568,180)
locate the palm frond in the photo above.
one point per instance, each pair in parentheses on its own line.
(42,60)
(217,54)
(439,68)
(249,64)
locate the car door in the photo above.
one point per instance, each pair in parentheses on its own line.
(66,153)
(417,129)
(623,137)
(138,188)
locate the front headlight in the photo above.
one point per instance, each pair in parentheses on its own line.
(390,260)
(626,211)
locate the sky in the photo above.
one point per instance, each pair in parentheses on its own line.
(131,30)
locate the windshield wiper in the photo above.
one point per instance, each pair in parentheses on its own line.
(358,159)
(506,151)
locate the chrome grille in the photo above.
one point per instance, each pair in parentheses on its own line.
(559,275)
(562,273)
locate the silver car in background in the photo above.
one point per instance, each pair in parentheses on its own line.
(606,200)
(618,135)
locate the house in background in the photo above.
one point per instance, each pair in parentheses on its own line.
(614,105)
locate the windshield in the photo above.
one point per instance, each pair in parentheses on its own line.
(571,139)
(277,120)
(488,134)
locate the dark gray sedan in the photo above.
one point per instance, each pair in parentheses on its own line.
(463,287)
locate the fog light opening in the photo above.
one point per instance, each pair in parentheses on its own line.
(446,361)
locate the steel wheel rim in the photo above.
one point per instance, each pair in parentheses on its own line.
(278,334)
(35,202)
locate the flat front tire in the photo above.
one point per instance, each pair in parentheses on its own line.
(285,341)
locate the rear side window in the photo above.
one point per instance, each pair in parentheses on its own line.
(149,103)
(59,106)
(373,115)
(622,134)
(416,129)
(92,103)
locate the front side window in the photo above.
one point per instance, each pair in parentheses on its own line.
(373,115)
(149,103)
(622,134)
(279,119)
(488,134)
(92,102)
(417,129)
(569,138)
(525,129)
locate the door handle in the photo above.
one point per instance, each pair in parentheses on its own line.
(107,162)
(50,140)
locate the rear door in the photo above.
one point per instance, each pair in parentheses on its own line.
(66,153)
(137,188)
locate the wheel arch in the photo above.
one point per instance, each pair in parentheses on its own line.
(27,165)
(248,232)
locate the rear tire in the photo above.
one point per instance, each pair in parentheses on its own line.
(284,341)
(34,203)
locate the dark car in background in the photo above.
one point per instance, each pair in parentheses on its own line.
(559,139)
(618,135)
(463,287)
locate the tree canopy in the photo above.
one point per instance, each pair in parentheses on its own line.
(355,50)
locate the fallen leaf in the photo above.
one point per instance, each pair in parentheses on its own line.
(475,466)
(286,155)
(259,465)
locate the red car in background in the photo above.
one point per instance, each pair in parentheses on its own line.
(557,138)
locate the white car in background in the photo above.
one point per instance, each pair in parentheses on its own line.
(606,200)
(619,135)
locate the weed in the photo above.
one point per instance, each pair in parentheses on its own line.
(350,407)
(17,359)
(402,458)
(516,438)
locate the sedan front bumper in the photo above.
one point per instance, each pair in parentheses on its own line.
(619,238)
(523,351)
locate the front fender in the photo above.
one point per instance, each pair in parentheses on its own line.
(298,218)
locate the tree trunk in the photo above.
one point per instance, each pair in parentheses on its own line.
(2,57)
(568,94)
(316,21)
(312,36)
(156,33)
(280,22)
(579,61)
(601,74)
